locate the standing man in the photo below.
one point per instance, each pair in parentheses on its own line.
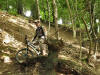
(40,37)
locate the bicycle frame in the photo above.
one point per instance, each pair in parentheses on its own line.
(29,44)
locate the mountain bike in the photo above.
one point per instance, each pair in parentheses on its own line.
(25,54)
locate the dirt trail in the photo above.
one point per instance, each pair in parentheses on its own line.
(17,28)
(63,34)
(12,32)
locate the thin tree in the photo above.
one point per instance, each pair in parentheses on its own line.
(7,6)
(48,8)
(70,12)
(55,18)
(34,10)
(20,7)
(92,22)
(44,10)
(88,34)
(38,9)
(91,5)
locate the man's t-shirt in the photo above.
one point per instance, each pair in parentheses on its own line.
(39,32)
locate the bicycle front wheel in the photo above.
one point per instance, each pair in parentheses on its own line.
(24,55)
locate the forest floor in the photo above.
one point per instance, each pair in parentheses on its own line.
(66,54)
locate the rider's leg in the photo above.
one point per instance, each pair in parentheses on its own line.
(43,47)
(45,51)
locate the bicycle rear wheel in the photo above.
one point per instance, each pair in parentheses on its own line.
(24,55)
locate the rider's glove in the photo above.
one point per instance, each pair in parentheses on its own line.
(33,40)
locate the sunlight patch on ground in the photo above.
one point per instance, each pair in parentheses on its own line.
(33,25)
(7,52)
(19,21)
(0,73)
(10,41)
(6,59)
(68,58)
(2,15)
(12,20)
(6,38)
(63,57)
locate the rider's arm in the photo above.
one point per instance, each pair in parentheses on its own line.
(35,36)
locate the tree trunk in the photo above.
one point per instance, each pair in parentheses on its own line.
(44,10)
(90,47)
(38,9)
(55,18)
(48,8)
(34,10)
(95,47)
(7,6)
(80,45)
(19,7)
(92,2)
(92,22)
(74,31)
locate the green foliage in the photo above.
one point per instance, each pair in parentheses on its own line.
(79,8)
(34,10)
(13,12)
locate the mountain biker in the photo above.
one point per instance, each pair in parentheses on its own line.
(41,37)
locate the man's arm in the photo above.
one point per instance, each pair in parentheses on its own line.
(35,36)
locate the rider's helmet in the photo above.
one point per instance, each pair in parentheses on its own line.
(36,21)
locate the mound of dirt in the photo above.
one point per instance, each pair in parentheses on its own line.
(63,57)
